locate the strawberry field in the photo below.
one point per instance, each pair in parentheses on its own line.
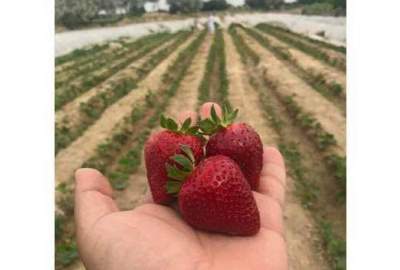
(290,88)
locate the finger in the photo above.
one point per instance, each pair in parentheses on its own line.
(93,198)
(185,115)
(271,217)
(273,175)
(205,110)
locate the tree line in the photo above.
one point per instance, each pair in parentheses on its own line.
(76,13)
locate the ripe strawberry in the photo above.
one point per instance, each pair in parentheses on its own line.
(215,196)
(239,141)
(161,146)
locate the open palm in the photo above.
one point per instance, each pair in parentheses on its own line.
(153,236)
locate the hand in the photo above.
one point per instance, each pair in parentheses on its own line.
(153,236)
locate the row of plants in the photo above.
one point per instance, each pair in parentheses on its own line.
(66,252)
(244,50)
(304,47)
(65,95)
(204,88)
(306,189)
(92,109)
(107,47)
(221,65)
(321,43)
(313,129)
(79,53)
(331,90)
(306,121)
(334,245)
(109,58)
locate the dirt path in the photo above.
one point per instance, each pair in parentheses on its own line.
(71,111)
(308,62)
(243,96)
(325,112)
(299,227)
(185,99)
(71,158)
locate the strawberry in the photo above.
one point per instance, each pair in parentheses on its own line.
(214,196)
(161,146)
(239,141)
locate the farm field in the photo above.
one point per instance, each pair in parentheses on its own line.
(289,87)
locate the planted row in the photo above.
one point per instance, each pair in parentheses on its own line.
(204,88)
(108,58)
(95,106)
(79,53)
(244,50)
(223,76)
(321,43)
(69,93)
(331,90)
(310,50)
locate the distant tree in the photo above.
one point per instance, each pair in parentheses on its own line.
(265,4)
(74,13)
(184,6)
(335,3)
(215,5)
(135,7)
(107,5)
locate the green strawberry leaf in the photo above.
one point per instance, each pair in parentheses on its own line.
(214,115)
(186,124)
(173,187)
(211,125)
(183,161)
(188,152)
(176,176)
(174,173)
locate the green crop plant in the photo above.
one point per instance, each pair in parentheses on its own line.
(321,138)
(317,81)
(310,50)
(67,94)
(335,246)
(66,253)
(307,191)
(223,77)
(244,50)
(327,45)
(338,166)
(78,53)
(95,106)
(204,88)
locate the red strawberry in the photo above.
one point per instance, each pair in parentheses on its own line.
(238,141)
(216,197)
(161,146)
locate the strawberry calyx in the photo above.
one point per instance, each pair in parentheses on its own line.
(178,174)
(215,123)
(186,128)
